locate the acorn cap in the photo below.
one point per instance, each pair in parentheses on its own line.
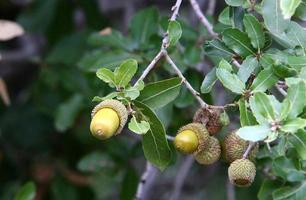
(210,154)
(242,172)
(234,148)
(116,106)
(201,133)
(212,118)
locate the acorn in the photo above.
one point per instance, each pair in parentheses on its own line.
(108,119)
(210,154)
(191,138)
(212,118)
(234,148)
(242,172)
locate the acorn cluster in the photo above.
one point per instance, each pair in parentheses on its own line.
(198,138)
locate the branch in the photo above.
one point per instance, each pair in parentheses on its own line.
(250,147)
(202,18)
(211,7)
(181,176)
(184,80)
(146,181)
(230,191)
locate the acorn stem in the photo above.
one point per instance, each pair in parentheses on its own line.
(248,150)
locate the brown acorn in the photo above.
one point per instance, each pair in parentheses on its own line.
(234,148)
(191,138)
(213,119)
(210,154)
(242,172)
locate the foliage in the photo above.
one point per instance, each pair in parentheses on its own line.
(253,57)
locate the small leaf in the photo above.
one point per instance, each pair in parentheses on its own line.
(95,162)
(246,117)
(159,94)
(255,31)
(296,192)
(288,7)
(175,32)
(224,17)
(26,192)
(230,81)
(298,140)
(254,133)
(264,80)
(107,76)
(297,94)
(238,42)
(141,127)
(218,49)
(266,189)
(125,72)
(154,142)
(247,68)
(286,168)
(209,81)
(293,125)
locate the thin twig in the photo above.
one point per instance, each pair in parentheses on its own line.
(187,84)
(281,90)
(175,10)
(248,150)
(181,176)
(202,18)
(236,63)
(146,181)
(230,190)
(211,7)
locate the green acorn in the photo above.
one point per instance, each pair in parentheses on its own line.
(210,154)
(108,119)
(234,148)
(242,172)
(191,138)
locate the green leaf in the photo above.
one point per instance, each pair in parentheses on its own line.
(298,192)
(225,65)
(273,18)
(107,76)
(235,2)
(262,108)
(283,71)
(286,168)
(285,109)
(254,133)
(141,127)
(298,140)
(288,7)
(111,59)
(125,72)
(67,112)
(159,94)
(247,68)
(255,31)
(144,24)
(154,142)
(217,48)
(264,80)
(293,125)
(297,94)
(296,62)
(266,189)
(224,17)
(26,192)
(209,81)
(238,42)
(230,81)
(246,117)
(174,32)
(95,162)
